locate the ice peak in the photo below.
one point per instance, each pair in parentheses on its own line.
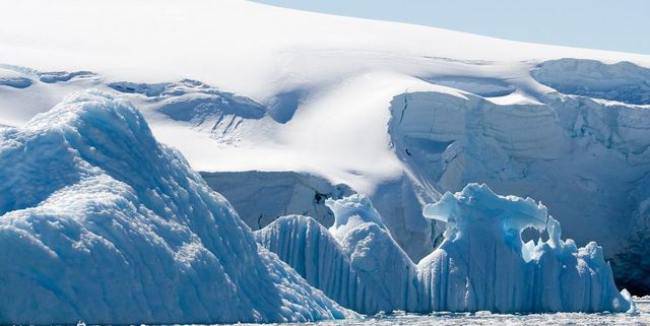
(352,211)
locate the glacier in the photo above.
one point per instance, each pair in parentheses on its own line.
(101,223)
(482,263)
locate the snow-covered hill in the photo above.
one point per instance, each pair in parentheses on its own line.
(402,113)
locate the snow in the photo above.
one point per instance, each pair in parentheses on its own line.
(12,79)
(86,186)
(482,263)
(622,81)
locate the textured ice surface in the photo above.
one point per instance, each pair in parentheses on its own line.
(356,262)
(374,254)
(481,264)
(314,253)
(103,224)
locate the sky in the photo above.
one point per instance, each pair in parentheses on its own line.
(619,25)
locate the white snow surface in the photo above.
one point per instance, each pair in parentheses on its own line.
(341,72)
(482,263)
(101,223)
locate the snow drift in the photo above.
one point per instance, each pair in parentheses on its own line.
(482,263)
(103,224)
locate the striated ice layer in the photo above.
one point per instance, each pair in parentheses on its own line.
(99,222)
(313,252)
(373,252)
(357,262)
(482,263)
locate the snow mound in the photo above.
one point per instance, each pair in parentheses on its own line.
(483,264)
(191,100)
(86,186)
(623,81)
(13,79)
(204,107)
(63,76)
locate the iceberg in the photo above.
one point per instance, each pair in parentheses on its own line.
(481,264)
(99,222)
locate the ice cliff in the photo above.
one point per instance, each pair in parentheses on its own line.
(101,223)
(481,264)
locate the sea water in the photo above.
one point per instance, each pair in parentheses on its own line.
(642,317)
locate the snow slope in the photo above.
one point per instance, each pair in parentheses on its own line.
(101,223)
(483,263)
(239,86)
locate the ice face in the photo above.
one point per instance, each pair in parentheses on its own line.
(482,263)
(357,262)
(314,253)
(103,224)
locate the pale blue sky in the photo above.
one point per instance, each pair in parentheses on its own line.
(620,25)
